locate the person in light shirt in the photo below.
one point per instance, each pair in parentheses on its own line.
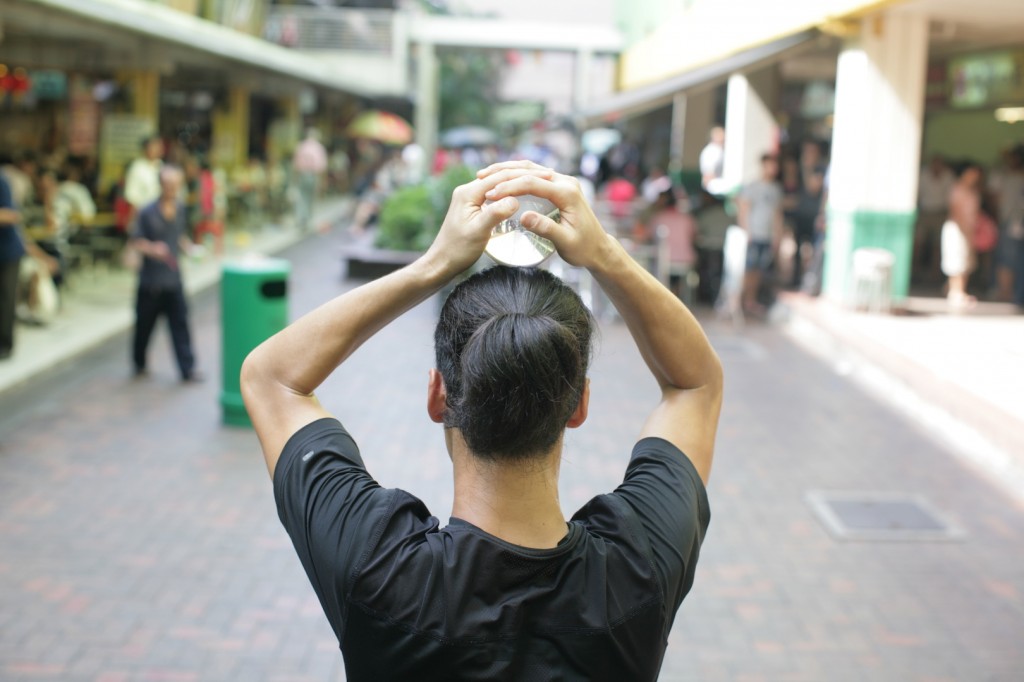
(142,181)
(760,215)
(712,161)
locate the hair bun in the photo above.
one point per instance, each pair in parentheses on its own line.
(513,347)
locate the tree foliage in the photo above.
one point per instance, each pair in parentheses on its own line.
(410,218)
(469,87)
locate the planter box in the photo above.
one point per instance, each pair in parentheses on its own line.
(366,262)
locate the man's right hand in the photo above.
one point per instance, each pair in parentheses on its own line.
(156,250)
(160,251)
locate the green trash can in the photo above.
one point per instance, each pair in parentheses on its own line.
(254,307)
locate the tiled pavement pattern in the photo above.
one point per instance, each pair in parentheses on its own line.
(139,539)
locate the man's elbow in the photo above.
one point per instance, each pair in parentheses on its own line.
(715,375)
(252,377)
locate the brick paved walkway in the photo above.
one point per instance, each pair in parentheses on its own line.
(139,540)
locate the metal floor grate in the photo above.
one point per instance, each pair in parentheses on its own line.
(890,516)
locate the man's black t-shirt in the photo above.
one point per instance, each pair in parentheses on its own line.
(411,601)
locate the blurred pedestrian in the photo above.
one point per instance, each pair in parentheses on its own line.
(1007,187)
(809,211)
(309,164)
(412,157)
(712,161)
(209,205)
(142,179)
(676,233)
(73,195)
(958,258)
(760,215)
(11,252)
(508,586)
(933,190)
(68,206)
(277,186)
(390,177)
(620,193)
(20,173)
(652,186)
(161,235)
(713,221)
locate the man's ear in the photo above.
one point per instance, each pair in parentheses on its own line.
(580,414)
(436,397)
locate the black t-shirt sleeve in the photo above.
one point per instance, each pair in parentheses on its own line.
(667,495)
(330,507)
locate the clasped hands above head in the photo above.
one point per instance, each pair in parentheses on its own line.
(578,235)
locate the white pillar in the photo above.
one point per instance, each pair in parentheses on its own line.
(876,147)
(693,117)
(750,128)
(427,103)
(581,79)
(677,134)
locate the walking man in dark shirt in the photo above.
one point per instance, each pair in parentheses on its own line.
(160,234)
(508,590)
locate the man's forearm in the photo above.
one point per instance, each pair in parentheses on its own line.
(305,353)
(670,339)
(146,247)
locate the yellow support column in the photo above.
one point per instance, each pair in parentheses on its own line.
(231,130)
(145,89)
(238,102)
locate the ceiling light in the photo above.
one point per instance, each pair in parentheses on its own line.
(1010,114)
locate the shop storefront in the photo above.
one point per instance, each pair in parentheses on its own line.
(975,105)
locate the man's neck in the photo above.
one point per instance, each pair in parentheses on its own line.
(168,207)
(517,502)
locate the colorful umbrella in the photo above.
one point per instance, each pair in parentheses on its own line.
(382,126)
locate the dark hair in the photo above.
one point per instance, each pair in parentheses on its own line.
(513,346)
(965,165)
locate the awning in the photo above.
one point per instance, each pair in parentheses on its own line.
(711,30)
(167,25)
(642,99)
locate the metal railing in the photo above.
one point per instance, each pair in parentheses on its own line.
(331,28)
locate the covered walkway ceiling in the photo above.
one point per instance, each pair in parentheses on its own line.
(640,100)
(126,34)
(967,25)
(514,35)
(955,26)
